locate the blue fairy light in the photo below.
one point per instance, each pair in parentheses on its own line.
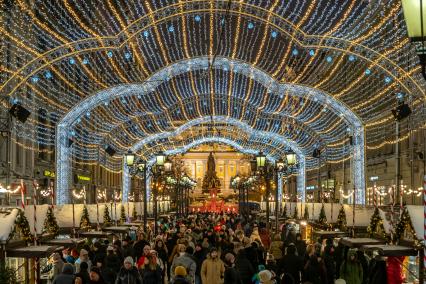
(351,58)
(329,59)
(72,61)
(106,103)
(87,114)
(311,52)
(295,52)
(127,55)
(48,75)
(367,71)
(34,79)
(146,33)
(197,18)
(72,133)
(250,25)
(171,29)
(274,34)
(85,61)
(388,80)
(400,96)
(109,54)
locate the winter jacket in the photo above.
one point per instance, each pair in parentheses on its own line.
(186,261)
(315,271)
(199,256)
(244,267)
(291,264)
(127,251)
(378,273)
(232,276)
(84,275)
(351,270)
(180,280)
(66,277)
(131,276)
(212,271)
(112,266)
(150,276)
(330,264)
(276,249)
(394,272)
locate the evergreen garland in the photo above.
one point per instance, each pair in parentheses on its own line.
(23,227)
(84,220)
(322,220)
(306,214)
(7,274)
(376,224)
(341,219)
(296,215)
(50,224)
(107,218)
(404,225)
(122,215)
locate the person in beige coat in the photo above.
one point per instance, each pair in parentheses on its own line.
(212,269)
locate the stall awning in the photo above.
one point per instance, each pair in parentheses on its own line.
(329,234)
(65,242)
(95,234)
(358,242)
(391,250)
(32,251)
(117,229)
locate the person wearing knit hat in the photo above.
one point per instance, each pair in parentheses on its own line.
(180,271)
(265,277)
(213,268)
(129,260)
(180,276)
(84,257)
(96,275)
(128,274)
(231,276)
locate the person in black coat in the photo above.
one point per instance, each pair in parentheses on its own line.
(244,267)
(231,274)
(111,266)
(315,271)
(84,273)
(329,262)
(129,274)
(378,273)
(291,264)
(150,271)
(200,255)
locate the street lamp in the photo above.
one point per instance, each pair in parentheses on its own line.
(168,165)
(291,159)
(130,158)
(160,159)
(260,161)
(415,18)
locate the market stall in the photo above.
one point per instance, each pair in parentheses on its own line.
(322,235)
(67,243)
(359,242)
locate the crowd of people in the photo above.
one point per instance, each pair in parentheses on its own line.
(214,249)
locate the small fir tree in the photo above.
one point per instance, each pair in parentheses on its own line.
(134,213)
(84,220)
(322,220)
(296,214)
(306,214)
(341,219)
(50,224)
(376,224)
(7,274)
(23,227)
(107,218)
(122,215)
(404,225)
(285,211)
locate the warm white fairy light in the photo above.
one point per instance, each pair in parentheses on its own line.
(346,196)
(101,196)
(79,194)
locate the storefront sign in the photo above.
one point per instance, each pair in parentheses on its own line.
(83,178)
(47,173)
(374,178)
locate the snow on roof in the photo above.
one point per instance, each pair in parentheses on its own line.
(417,219)
(7,222)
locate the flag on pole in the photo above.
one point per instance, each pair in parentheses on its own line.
(23,191)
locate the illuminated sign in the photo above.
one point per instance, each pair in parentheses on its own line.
(374,178)
(47,173)
(311,187)
(83,178)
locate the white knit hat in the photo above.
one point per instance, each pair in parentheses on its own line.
(340,281)
(129,259)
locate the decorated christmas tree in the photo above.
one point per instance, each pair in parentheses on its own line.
(122,215)
(84,220)
(296,214)
(322,220)
(107,218)
(306,214)
(341,219)
(23,227)
(285,211)
(376,225)
(50,224)
(404,225)
(7,274)
(134,212)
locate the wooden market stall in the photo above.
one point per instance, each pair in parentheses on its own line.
(359,242)
(95,234)
(66,243)
(322,235)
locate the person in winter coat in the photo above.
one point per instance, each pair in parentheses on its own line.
(96,276)
(231,274)
(184,259)
(244,267)
(67,275)
(291,264)
(276,248)
(112,265)
(362,259)
(127,248)
(212,269)
(199,256)
(146,253)
(351,269)
(255,235)
(300,246)
(378,273)
(394,269)
(180,276)
(150,271)
(84,257)
(329,262)
(84,273)
(315,271)
(161,249)
(129,274)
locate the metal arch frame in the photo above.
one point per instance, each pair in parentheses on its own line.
(64,126)
(301,181)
